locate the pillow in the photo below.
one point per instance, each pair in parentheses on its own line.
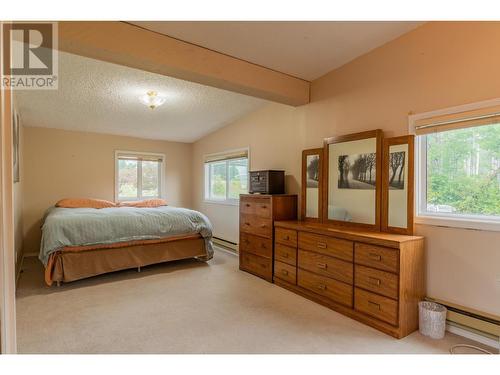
(145,203)
(84,203)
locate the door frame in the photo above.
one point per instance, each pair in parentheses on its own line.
(8,343)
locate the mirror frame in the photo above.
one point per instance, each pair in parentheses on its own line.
(305,153)
(378,135)
(388,142)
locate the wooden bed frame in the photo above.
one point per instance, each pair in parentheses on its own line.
(70,264)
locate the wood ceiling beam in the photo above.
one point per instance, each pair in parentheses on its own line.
(135,47)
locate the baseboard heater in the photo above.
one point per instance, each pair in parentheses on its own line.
(225,243)
(474,321)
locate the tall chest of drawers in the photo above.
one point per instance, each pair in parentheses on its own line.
(257,216)
(376,278)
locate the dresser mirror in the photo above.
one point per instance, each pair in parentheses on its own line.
(312,172)
(352,179)
(397,185)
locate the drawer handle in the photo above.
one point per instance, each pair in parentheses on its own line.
(284,255)
(263,225)
(264,207)
(322,287)
(374,256)
(322,265)
(247,223)
(247,205)
(284,272)
(374,281)
(263,245)
(286,238)
(374,304)
(322,245)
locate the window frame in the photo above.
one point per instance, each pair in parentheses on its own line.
(207,176)
(422,216)
(161,174)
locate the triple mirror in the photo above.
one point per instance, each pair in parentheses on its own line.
(360,180)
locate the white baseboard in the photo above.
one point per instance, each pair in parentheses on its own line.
(473,336)
(225,243)
(221,248)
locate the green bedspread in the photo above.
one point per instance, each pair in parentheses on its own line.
(89,226)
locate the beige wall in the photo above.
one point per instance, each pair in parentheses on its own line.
(435,66)
(61,164)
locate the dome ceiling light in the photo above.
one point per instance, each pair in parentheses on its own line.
(152,99)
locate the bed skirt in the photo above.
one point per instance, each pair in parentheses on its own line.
(72,264)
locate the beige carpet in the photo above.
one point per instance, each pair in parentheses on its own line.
(190,307)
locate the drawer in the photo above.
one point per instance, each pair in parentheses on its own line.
(285,254)
(332,289)
(379,307)
(256,225)
(383,258)
(256,245)
(285,272)
(257,265)
(256,206)
(377,281)
(331,246)
(286,237)
(326,266)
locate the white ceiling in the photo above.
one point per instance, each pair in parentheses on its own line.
(97,96)
(306,50)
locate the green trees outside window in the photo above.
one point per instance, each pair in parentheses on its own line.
(463,171)
(227,179)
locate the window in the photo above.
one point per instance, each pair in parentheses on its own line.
(458,168)
(226,176)
(138,175)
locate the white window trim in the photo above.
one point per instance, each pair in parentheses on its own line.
(225,202)
(477,222)
(161,171)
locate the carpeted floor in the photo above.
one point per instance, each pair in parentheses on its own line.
(190,307)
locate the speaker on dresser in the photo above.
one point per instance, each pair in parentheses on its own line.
(267,182)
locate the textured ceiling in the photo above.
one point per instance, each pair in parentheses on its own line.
(97,96)
(306,50)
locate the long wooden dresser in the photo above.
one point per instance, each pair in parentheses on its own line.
(376,278)
(257,216)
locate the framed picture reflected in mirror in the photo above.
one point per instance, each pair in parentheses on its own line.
(397,185)
(312,181)
(352,179)
(15,145)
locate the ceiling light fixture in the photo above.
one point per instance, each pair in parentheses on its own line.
(152,100)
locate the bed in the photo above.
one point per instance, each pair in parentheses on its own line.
(82,242)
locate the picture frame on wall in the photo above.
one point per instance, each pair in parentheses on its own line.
(15,148)
(312,185)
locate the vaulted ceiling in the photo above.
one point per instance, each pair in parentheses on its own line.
(100,96)
(305,50)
